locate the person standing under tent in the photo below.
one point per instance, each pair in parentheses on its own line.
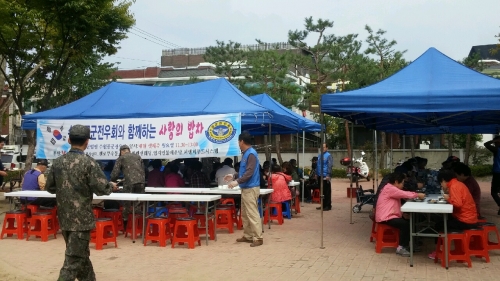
(248,178)
(74,177)
(492,146)
(326,166)
(132,167)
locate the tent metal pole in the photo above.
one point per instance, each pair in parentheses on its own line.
(303,164)
(392,156)
(404,148)
(375,177)
(321,161)
(352,170)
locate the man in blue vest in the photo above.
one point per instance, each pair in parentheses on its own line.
(492,146)
(325,168)
(34,179)
(248,178)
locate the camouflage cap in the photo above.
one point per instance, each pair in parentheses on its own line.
(124,147)
(79,131)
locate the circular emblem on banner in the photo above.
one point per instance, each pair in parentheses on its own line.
(57,134)
(220,132)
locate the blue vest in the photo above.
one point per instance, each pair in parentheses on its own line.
(496,161)
(255,179)
(326,173)
(30,182)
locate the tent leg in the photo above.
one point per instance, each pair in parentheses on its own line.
(303,165)
(322,178)
(352,165)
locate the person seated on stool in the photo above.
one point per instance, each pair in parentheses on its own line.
(464,214)
(388,209)
(464,175)
(34,179)
(279,183)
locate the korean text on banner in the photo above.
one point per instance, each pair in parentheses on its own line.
(152,138)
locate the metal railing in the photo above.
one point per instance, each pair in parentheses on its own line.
(202,51)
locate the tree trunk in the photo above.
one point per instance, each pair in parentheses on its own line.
(450,144)
(382,151)
(31,136)
(412,146)
(467,149)
(267,149)
(278,150)
(347,138)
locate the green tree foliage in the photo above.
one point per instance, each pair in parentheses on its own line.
(54,40)
(229,59)
(269,72)
(474,62)
(314,58)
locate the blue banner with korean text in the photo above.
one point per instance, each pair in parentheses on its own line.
(151,138)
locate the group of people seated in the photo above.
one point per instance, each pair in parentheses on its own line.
(459,188)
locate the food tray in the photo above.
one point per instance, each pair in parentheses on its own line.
(435,201)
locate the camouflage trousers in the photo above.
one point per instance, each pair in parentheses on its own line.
(127,205)
(77,263)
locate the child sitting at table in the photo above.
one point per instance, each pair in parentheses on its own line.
(388,209)
(279,182)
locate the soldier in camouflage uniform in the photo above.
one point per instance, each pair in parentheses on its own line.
(133,171)
(74,177)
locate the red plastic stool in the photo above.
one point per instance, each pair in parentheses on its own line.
(373,235)
(279,213)
(224,218)
(296,206)
(488,228)
(477,243)
(202,228)
(138,226)
(229,203)
(186,231)
(459,253)
(53,212)
(173,215)
(97,212)
(42,226)
(116,216)
(14,223)
(387,237)
(158,230)
(316,197)
(104,233)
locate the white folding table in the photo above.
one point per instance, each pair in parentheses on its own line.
(179,198)
(428,208)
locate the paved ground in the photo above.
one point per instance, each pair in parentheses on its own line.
(290,252)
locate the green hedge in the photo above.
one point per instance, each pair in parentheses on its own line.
(481,170)
(339,173)
(13,175)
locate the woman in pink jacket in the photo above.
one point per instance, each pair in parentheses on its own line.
(388,209)
(279,182)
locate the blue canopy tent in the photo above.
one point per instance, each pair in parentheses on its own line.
(118,100)
(432,95)
(304,124)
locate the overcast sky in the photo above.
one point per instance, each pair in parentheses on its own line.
(451,26)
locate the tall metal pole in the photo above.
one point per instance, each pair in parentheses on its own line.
(321,156)
(375,177)
(392,156)
(304,165)
(352,169)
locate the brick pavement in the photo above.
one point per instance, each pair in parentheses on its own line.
(290,252)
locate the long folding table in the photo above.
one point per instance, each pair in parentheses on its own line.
(428,208)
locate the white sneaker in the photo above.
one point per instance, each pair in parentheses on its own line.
(403,252)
